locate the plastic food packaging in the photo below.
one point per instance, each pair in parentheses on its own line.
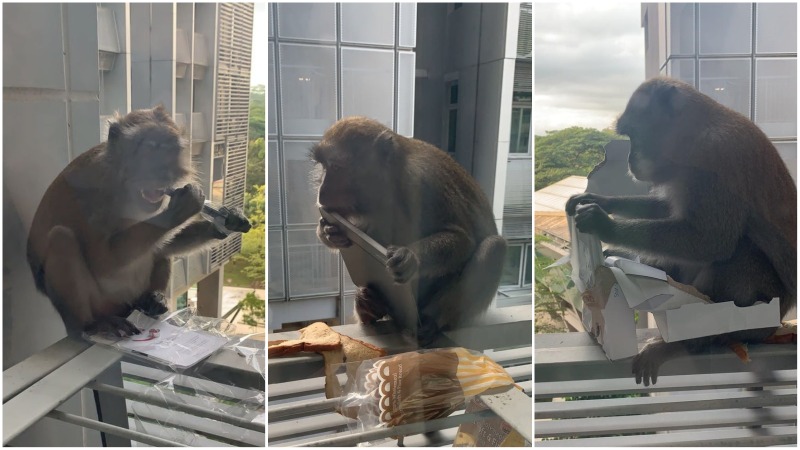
(418,386)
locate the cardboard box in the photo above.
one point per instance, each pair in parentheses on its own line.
(612,288)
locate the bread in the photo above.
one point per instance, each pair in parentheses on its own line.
(320,338)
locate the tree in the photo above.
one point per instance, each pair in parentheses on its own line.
(253,309)
(571,151)
(255,163)
(257,112)
(253,253)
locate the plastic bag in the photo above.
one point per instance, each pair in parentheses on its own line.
(418,386)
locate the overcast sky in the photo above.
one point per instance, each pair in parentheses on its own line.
(589,59)
(258,64)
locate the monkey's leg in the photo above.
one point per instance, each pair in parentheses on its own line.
(370,305)
(70,284)
(470,294)
(153,302)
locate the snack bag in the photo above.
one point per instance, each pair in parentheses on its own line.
(418,386)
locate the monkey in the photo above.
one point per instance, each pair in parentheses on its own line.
(418,202)
(721,215)
(101,239)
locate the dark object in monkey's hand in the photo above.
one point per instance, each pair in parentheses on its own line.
(226,220)
(424,208)
(102,237)
(722,215)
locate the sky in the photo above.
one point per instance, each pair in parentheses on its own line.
(589,58)
(258,65)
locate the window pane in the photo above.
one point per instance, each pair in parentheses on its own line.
(451,130)
(271,97)
(515,113)
(682,69)
(408,25)
(788,151)
(274,188)
(524,130)
(275,271)
(368,84)
(308,88)
(681,29)
(349,286)
(454,93)
(776,27)
(368,23)
(270,31)
(313,268)
(307,21)
(405,93)
(725,28)
(728,82)
(301,199)
(511,267)
(529,265)
(776,96)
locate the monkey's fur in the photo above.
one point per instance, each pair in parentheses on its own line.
(101,240)
(722,216)
(423,206)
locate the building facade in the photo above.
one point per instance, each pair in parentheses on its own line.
(67,68)
(744,55)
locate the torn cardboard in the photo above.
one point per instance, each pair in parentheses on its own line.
(612,288)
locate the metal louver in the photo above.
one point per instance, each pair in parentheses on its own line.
(234,42)
(525,37)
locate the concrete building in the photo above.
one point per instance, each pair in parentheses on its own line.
(744,55)
(443,73)
(66,69)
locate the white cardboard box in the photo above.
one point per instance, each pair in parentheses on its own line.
(614,287)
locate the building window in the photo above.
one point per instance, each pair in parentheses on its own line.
(520,128)
(518,268)
(452,115)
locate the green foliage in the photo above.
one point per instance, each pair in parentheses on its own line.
(253,309)
(571,151)
(253,253)
(255,163)
(257,112)
(550,287)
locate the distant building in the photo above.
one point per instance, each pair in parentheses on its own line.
(66,69)
(744,55)
(443,73)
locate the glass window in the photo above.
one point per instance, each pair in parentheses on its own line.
(520,130)
(776,96)
(511,268)
(725,28)
(408,25)
(682,69)
(270,32)
(275,280)
(728,82)
(368,23)
(452,124)
(274,188)
(776,27)
(272,98)
(308,88)
(405,93)
(528,265)
(315,21)
(368,84)
(788,151)
(349,286)
(301,199)
(681,29)
(313,268)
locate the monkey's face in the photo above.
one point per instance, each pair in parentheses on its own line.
(348,180)
(649,120)
(153,159)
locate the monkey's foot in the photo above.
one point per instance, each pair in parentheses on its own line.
(117,326)
(152,303)
(370,305)
(647,363)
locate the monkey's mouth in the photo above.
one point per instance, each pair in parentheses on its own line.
(153,195)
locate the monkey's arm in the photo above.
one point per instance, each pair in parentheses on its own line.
(443,252)
(639,206)
(191,238)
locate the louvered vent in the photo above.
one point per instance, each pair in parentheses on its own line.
(234,41)
(525,39)
(523,77)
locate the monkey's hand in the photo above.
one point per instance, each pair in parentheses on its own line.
(593,219)
(655,353)
(151,303)
(235,220)
(584,199)
(331,235)
(402,263)
(118,326)
(185,203)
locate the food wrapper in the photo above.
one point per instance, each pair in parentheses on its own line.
(487,433)
(418,386)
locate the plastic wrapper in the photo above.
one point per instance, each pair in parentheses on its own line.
(184,396)
(418,386)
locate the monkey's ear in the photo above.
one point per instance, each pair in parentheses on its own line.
(670,99)
(114,131)
(160,112)
(385,143)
